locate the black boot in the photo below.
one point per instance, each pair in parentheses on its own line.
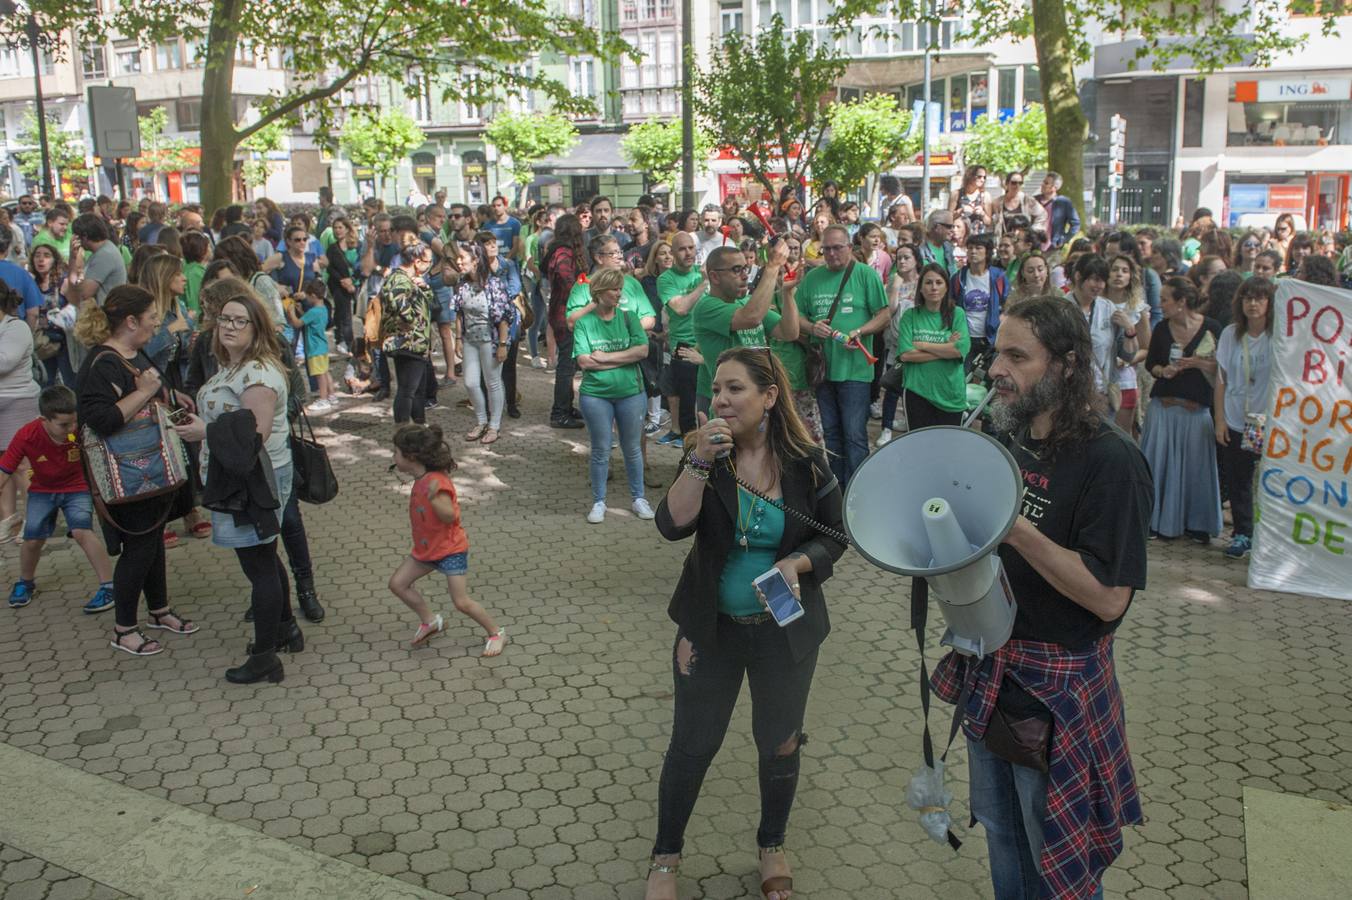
(309,600)
(290,639)
(258,667)
(248,614)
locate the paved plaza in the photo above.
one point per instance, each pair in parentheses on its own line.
(534,775)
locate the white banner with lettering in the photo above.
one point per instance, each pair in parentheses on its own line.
(1302,500)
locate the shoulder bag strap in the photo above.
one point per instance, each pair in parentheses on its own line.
(840,290)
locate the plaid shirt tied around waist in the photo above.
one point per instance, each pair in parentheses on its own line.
(1091,786)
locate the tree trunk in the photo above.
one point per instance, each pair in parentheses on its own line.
(219,135)
(1067,128)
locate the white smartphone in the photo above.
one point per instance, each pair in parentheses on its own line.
(784,606)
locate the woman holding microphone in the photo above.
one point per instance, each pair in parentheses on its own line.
(724,631)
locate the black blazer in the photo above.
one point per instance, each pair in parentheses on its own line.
(808,487)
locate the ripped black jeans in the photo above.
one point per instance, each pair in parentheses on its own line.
(708,680)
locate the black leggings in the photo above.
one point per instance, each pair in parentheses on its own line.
(708,680)
(140,567)
(271,595)
(508,375)
(920,413)
(408,395)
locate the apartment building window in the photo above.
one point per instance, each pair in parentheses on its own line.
(1007,101)
(94,61)
(731,19)
(629,11)
(419,94)
(582,77)
(244,53)
(669,101)
(9,62)
(471,112)
(194,53)
(668,9)
(128,60)
(631,104)
(522,99)
(629,77)
(667,59)
(188,114)
(648,47)
(1032,85)
(650,9)
(168,56)
(47,64)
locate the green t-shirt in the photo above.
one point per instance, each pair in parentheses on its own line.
(861,300)
(326,238)
(126,255)
(940,381)
(680,329)
(939,256)
(791,353)
(620,333)
(633,298)
(193,272)
(712,320)
(44,238)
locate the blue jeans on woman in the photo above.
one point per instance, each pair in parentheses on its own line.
(1010,802)
(627,414)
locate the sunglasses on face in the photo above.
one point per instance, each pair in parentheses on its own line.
(1016,182)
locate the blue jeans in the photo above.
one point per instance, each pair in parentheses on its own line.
(843,406)
(600,414)
(1010,802)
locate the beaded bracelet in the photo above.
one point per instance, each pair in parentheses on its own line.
(697,474)
(693,461)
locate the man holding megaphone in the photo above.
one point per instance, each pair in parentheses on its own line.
(1051,776)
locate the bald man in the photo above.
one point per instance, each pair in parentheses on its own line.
(679,289)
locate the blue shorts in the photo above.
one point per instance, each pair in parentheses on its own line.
(40,519)
(455,564)
(445,314)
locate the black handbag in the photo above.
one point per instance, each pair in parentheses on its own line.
(313,478)
(1023,742)
(814,362)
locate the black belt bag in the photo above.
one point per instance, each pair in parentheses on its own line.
(1023,742)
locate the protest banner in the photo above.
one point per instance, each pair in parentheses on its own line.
(1303,532)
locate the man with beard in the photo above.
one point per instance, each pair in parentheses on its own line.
(1054,799)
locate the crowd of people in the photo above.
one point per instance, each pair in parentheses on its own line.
(752,341)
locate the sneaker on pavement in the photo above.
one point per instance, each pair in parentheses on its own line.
(22,593)
(643,510)
(1239,547)
(566,422)
(875,409)
(598,513)
(102,600)
(884,437)
(342,349)
(540,363)
(670,437)
(651,428)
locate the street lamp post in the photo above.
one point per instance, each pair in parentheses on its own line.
(8,8)
(687,112)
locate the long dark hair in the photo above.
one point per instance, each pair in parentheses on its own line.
(1061,329)
(946,305)
(567,234)
(240,254)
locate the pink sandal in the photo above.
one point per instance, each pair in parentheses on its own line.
(493,646)
(427,630)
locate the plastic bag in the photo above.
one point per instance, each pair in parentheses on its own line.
(926,793)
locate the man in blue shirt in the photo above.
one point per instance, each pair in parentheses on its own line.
(1063,222)
(29,218)
(505,228)
(18,278)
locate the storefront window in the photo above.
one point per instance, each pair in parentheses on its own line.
(957,104)
(1290,112)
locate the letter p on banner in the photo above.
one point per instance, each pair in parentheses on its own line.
(1303,509)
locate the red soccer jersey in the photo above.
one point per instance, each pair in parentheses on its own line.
(434,539)
(56,467)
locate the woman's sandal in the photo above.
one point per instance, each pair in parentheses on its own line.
(180,625)
(476,432)
(201,530)
(778,884)
(664,869)
(139,649)
(490,436)
(493,646)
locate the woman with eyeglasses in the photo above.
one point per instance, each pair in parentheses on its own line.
(1283,230)
(1014,204)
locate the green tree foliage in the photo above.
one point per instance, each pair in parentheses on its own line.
(1016,145)
(159,152)
(526,138)
(381,140)
(258,145)
(655,147)
(1209,34)
(325,47)
(765,97)
(65,150)
(867,137)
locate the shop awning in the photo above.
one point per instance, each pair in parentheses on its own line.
(897,72)
(593,154)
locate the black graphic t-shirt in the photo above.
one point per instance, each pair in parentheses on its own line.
(1095,499)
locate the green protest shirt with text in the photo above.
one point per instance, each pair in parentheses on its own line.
(712,319)
(633,298)
(593,334)
(680,328)
(861,300)
(940,381)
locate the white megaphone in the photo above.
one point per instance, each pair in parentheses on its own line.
(935,503)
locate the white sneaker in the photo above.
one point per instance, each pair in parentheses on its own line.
(643,510)
(597,514)
(884,436)
(342,349)
(540,362)
(875,409)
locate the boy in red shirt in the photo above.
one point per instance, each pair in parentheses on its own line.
(58,485)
